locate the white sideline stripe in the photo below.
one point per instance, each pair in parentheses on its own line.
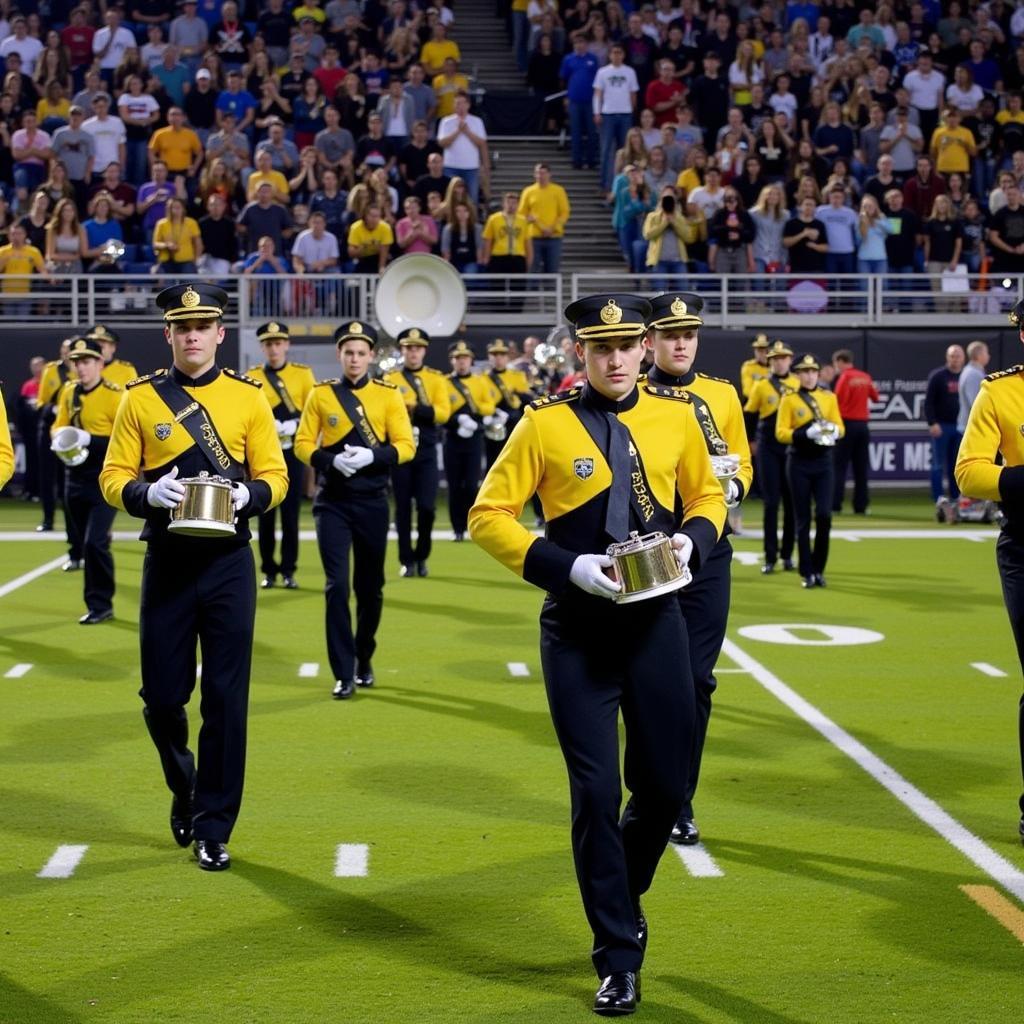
(988,670)
(732,671)
(352,860)
(17,671)
(63,863)
(698,861)
(974,849)
(518,668)
(309,669)
(9,588)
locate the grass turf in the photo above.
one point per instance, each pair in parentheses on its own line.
(836,903)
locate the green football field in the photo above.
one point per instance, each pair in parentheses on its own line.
(404,856)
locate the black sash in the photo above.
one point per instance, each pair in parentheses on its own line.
(510,398)
(812,403)
(282,392)
(196,420)
(459,386)
(355,412)
(777,383)
(76,406)
(416,383)
(717,444)
(629,478)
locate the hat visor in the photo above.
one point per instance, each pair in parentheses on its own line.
(779,353)
(193,313)
(414,343)
(342,338)
(599,332)
(666,323)
(274,336)
(88,354)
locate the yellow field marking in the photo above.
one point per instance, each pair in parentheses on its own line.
(999,907)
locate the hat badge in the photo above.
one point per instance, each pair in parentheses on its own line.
(190,298)
(80,344)
(414,333)
(273,328)
(355,327)
(611,313)
(678,307)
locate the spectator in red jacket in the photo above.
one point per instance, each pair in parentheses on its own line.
(664,94)
(920,191)
(854,390)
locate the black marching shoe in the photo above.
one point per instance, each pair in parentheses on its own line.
(71,565)
(343,689)
(421,569)
(92,618)
(819,580)
(364,674)
(181,820)
(407,571)
(808,581)
(685,833)
(268,582)
(288,582)
(618,995)
(768,568)
(459,536)
(787,565)
(212,856)
(44,528)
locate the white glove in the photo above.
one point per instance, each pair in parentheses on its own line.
(725,467)
(499,417)
(732,494)
(814,432)
(166,492)
(588,574)
(682,548)
(287,428)
(341,464)
(240,496)
(468,424)
(357,457)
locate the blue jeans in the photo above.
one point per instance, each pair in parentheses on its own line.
(469,175)
(584,134)
(628,234)
(872,266)
(28,176)
(840,263)
(945,448)
(613,137)
(136,171)
(547,255)
(677,280)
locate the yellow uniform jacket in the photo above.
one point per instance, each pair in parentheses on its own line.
(764,401)
(484,397)
(147,436)
(381,423)
(6,450)
(298,382)
(425,394)
(551,452)
(751,371)
(720,417)
(93,411)
(514,388)
(55,375)
(795,416)
(995,427)
(120,372)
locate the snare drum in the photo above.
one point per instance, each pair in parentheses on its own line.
(646,567)
(206,510)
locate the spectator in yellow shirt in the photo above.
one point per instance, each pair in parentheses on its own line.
(446,86)
(438,49)
(176,240)
(953,146)
(369,242)
(16,259)
(54,109)
(508,248)
(546,209)
(177,145)
(265,173)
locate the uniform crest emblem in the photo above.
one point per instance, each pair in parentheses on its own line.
(415,333)
(583,468)
(611,313)
(162,431)
(355,327)
(80,344)
(190,298)
(678,307)
(332,420)
(273,328)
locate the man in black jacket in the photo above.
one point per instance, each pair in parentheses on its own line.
(941,409)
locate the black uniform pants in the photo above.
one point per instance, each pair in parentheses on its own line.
(52,476)
(852,450)
(811,479)
(1010,560)
(289,509)
(462,465)
(190,595)
(771,471)
(92,519)
(588,683)
(358,524)
(415,481)
(705,607)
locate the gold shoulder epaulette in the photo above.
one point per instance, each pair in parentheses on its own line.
(122,362)
(53,362)
(668,391)
(707,376)
(235,375)
(301,366)
(384,383)
(547,400)
(1010,371)
(328,382)
(145,377)
(109,384)
(253,369)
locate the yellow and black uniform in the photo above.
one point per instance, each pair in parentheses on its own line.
(196,588)
(516,393)
(763,401)
(705,601)
(51,470)
(92,411)
(6,450)
(351,506)
(117,371)
(286,389)
(994,431)
(425,393)
(802,424)
(474,399)
(603,468)
(751,371)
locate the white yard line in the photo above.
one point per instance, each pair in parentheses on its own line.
(988,670)
(309,669)
(974,849)
(698,861)
(518,668)
(17,671)
(63,863)
(9,588)
(352,860)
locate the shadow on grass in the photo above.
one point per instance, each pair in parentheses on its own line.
(19,1006)
(735,1006)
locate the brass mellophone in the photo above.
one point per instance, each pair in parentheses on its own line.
(829,433)
(646,567)
(206,510)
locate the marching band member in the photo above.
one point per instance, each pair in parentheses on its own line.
(425,393)
(286,386)
(174,424)
(352,431)
(608,458)
(808,422)
(672,336)
(89,404)
(6,450)
(117,371)
(515,391)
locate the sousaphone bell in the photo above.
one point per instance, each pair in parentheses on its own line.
(420,290)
